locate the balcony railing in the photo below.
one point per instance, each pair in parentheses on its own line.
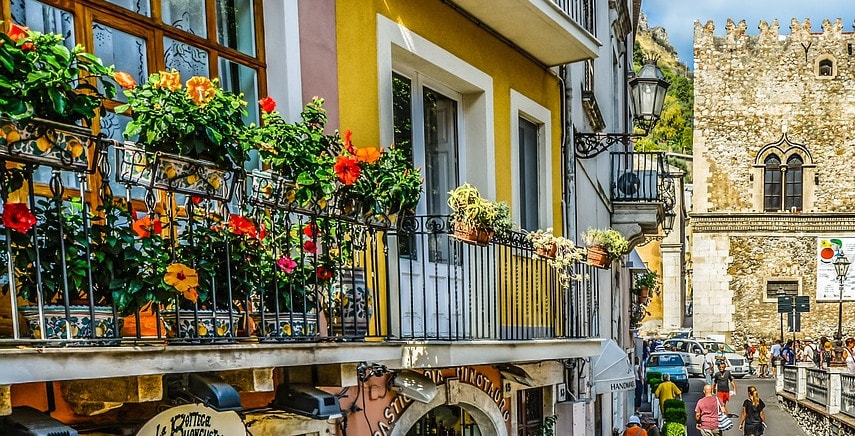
(790,379)
(265,274)
(581,11)
(817,386)
(641,177)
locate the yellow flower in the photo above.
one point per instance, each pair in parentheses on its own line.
(201,90)
(184,279)
(170,81)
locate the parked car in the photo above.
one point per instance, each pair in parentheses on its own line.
(692,351)
(669,363)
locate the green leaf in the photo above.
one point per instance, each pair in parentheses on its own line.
(37,76)
(7,61)
(61,52)
(58,100)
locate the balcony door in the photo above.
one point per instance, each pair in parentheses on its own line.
(427,121)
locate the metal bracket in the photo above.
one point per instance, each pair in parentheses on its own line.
(589,145)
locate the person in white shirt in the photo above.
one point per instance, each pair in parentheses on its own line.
(776,356)
(849,355)
(809,351)
(709,366)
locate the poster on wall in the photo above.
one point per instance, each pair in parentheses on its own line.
(827,284)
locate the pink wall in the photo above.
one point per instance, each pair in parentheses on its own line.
(318,55)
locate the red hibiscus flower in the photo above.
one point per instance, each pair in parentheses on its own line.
(346,169)
(17,216)
(310,247)
(16,32)
(347,144)
(195,199)
(324,273)
(239,225)
(268,105)
(311,230)
(147,226)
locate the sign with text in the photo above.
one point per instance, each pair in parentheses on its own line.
(827,284)
(194,420)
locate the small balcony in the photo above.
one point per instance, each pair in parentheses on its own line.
(566,30)
(258,281)
(642,192)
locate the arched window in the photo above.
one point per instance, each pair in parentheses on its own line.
(826,67)
(793,188)
(772,184)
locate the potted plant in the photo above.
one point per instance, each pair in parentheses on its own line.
(674,415)
(377,184)
(52,271)
(47,88)
(474,218)
(604,245)
(194,129)
(644,282)
(560,252)
(299,157)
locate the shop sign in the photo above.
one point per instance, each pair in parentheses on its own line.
(194,420)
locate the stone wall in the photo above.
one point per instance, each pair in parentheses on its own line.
(814,423)
(753,91)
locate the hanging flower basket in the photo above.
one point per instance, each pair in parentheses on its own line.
(78,325)
(472,235)
(599,257)
(547,252)
(44,142)
(192,177)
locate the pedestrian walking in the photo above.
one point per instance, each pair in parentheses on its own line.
(724,386)
(827,354)
(706,413)
(709,366)
(776,356)
(763,359)
(749,357)
(633,427)
(753,421)
(649,424)
(810,353)
(667,390)
(849,355)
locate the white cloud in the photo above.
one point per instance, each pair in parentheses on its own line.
(678,17)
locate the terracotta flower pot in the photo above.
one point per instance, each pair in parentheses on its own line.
(472,235)
(148,325)
(643,293)
(547,252)
(599,257)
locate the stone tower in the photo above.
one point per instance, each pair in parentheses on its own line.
(774,184)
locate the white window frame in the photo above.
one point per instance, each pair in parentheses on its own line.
(522,106)
(401,49)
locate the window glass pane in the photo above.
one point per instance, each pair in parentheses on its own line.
(127,52)
(239,78)
(44,18)
(112,125)
(402,118)
(236,25)
(139,6)
(529,216)
(186,15)
(188,60)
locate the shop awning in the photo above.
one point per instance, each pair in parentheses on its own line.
(612,371)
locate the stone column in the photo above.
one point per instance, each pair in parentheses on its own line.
(801,380)
(779,376)
(834,390)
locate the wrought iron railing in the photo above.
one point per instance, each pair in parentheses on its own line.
(263,272)
(642,177)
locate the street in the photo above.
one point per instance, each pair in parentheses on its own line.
(779,422)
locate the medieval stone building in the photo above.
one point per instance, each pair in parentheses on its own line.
(774,185)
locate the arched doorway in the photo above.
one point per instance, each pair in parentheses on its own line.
(472,400)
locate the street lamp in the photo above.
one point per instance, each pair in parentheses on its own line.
(647,94)
(841,267)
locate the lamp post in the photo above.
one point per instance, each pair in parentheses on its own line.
(841,267)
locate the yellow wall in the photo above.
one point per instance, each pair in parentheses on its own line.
(356,40)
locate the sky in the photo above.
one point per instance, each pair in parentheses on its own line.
(678,16)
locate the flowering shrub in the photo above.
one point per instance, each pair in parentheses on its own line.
(199,121)
(41,77)
(565,256)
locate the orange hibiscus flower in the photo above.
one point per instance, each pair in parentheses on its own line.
(170,81)
(240,226)
(347,169)
(201,90)
(125,80)
(368,154)
(147,226)
(184,279)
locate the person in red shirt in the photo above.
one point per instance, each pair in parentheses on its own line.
(706,413)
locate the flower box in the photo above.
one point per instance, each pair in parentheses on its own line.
(202,324)
(43,142)
(472,235)
(78,325)
(265,189)
(287,326)
(192,177)
(134,165)
(547,252)
(314,207)
(599,257)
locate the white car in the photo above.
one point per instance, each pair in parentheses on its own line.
(692,351)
